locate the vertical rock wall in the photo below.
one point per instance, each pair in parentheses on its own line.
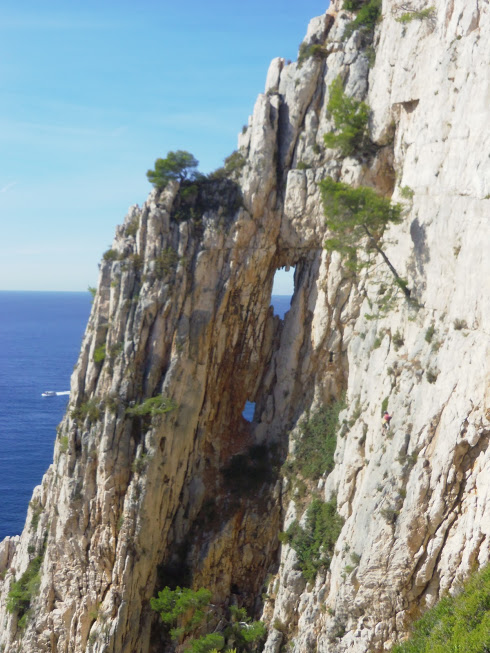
(132,502)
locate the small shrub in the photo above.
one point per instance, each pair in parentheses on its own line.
(429,334)
(137,261)
(166,262)
(93,292)
(314,50)
(63,444)
(459,324)
(352,5)
(36,513)
(377,342)
(456,623)
(88,409)
(398,340)
(314,545)
(116,349)
(154,406)
(384,405)
(301,165)
(23,591)
(234,163)
(280,626)
(317,441)
(133,226)
(368,15)
(356,558)
(140,463)
(350,118)
(407,193)
(99,354)
(390,514)
(431,376)
(423,14)
(110,255)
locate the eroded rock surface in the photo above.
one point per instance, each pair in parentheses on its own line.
(133,502)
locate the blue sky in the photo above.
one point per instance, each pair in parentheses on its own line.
(93,92)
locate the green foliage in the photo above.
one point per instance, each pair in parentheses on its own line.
(36,513)
(390,514)
(206,643)
(166,262)
(315,446)
(458,324)
(189,608)
(358,217)
(429,334)
(99,354)
(407,193)
(110,255)
(423,14)
(350,119)
(92,291)
(301,165)
(140,463)
(177,165)
(23,591)
(368,15)
(314,545)
(154,406)
(174,604)
(459,623)
(431,376)
(352,5)
(88,409)
(397,340)
(132,228)
(233,165)
(315,50)
(64,444)
(384,405)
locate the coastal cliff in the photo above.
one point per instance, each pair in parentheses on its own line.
(182,489)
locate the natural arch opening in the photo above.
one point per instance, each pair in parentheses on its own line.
(283,290)
(249,410)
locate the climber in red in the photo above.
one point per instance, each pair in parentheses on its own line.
(386,419)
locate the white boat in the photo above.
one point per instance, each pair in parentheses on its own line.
(48,393)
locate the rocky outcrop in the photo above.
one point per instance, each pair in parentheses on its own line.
(184,489)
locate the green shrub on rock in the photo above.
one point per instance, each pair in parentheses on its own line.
(177,166)
(350,117)
(23,591)
(314,544)
(456,623)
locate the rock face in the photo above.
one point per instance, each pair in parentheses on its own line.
(187,491)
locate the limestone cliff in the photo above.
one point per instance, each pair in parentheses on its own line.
(139,496)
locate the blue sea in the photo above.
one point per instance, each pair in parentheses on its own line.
(40,338)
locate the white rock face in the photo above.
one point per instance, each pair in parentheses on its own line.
(184,312)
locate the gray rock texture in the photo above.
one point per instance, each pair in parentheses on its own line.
(132,502)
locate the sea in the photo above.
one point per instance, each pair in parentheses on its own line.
(40,338)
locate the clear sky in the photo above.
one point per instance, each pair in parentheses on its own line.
(93,92)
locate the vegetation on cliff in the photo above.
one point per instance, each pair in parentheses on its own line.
(357,216)
(23,591)
(456,623)
(314,544)
(350,118)
(186,611)
(176,166)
